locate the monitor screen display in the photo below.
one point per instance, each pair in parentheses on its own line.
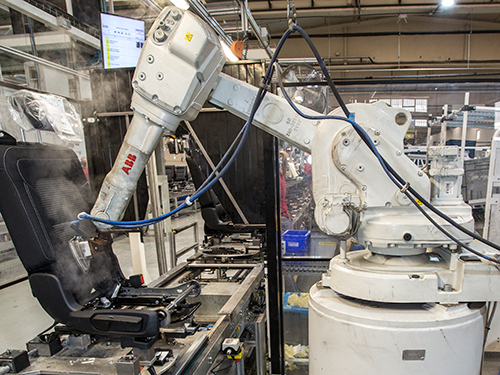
(122,40)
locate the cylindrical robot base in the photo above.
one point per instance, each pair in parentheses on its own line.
(354,337)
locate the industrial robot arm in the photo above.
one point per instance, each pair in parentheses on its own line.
(180,68)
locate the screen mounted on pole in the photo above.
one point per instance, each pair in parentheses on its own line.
(122,40)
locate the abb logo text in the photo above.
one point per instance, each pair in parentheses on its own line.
(129,163)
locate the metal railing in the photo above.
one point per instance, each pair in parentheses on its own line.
(173,246)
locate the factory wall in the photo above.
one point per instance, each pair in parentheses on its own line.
(464,52)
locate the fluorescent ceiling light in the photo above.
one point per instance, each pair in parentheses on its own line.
(183,4)
(227,51)
(447,3)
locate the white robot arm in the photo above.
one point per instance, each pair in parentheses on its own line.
(180,68)
(177,69)
(408,265)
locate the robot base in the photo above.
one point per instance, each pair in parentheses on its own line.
(353,337)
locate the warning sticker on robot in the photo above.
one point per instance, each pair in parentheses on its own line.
(188,37)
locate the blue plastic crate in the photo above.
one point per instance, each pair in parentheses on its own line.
(296,241)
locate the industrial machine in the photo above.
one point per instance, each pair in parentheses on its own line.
(104,322)
(412,301)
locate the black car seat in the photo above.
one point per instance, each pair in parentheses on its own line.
(42,189)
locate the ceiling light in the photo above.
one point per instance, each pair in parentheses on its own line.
(447,3)
(183,4)
(229,54)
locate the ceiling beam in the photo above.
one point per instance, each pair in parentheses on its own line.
(394,33)
(23,56)
(51,21)
(479,8)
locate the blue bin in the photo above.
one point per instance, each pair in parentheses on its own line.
(296,241)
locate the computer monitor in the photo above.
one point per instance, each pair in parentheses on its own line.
(122,40)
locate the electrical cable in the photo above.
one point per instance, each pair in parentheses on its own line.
(449,235)
(386,166)
(48,329)
(391,173)
(223,160)
(200,191)
(219,363)
(245,131)
(225,368)
(490,314)
(387,169)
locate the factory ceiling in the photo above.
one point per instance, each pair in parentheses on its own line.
(357,38)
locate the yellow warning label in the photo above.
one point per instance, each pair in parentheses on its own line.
(418,202)
(107,53)
(188,37)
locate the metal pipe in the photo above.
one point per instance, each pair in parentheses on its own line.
(410,66)
(220,265)
(396,33)
(201,11)
(152,5)
(185,227)
(244,16)
(186,249)
(225,12)
(50,64)
(361,81)
(488,109)
(443,125)
(196,238)
(158,227)
(428,145)
(374,10)
(464,128)
(305,259)
(173,250)
(4,370)
(114,114)
(240,367)
(180,297)
(256,30)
